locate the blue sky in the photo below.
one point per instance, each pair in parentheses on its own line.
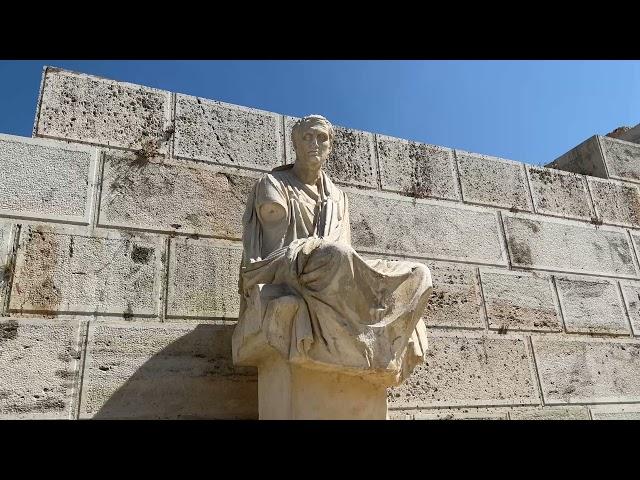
(529,111)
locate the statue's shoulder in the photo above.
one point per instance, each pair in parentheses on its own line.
(281,174)
(282,168)
(277,176)
(272,187)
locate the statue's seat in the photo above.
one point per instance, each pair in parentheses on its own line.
(275,321)
(258,335)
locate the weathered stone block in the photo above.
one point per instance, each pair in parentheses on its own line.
(585,159)
(172,371)
(616,203)
(559,193)
(203,279)
(227,134)
(493,181)
(562,245)
(352,161)
(631,135)
(89,109)
(5,229)
(6,265)
(519,301)
(460,414)
(616,412)
(172,197)
(417,169)
(623,158)
(550,413)
(469,369)
(591,305)
(45,179)
(39,365)
(390,224)
(594,371)
(400,415)
(455,300)
(631,295)
(60,271)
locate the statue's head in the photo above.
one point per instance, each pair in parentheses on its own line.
(312,139)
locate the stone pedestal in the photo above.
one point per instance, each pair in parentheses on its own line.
(290,392)
(300,389)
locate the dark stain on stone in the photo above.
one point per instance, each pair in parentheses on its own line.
(341,163)
(619,246)
(520,252)
(71,248)
(194,220)
(6,272)
(632,200)
(534,226)
(49,404)
(363,233)
(38,268)
(64,357)
(170,130)
(421,185)
(543,176)
(8,330)
(128,313)
(141,254)
(70,354)
(149,149)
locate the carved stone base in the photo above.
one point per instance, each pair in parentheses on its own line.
(293,385)
(291,392)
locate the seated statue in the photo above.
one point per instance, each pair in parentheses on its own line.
(313,298)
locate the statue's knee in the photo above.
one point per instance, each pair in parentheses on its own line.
(421,271)
(333,251)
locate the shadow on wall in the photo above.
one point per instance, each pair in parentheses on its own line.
(192,377)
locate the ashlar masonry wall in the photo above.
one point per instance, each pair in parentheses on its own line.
(120,226)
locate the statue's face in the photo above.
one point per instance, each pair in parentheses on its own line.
(313,145)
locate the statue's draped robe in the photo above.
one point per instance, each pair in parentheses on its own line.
(362,315)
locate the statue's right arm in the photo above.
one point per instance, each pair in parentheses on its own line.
(270,201)
(272,212)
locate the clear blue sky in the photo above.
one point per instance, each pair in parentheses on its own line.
(529,111)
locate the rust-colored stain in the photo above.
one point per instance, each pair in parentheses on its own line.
(37,289)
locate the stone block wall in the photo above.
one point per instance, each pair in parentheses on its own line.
(120,226)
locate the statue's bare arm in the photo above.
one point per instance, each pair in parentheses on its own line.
(272,212)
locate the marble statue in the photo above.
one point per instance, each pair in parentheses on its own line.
(307,296)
